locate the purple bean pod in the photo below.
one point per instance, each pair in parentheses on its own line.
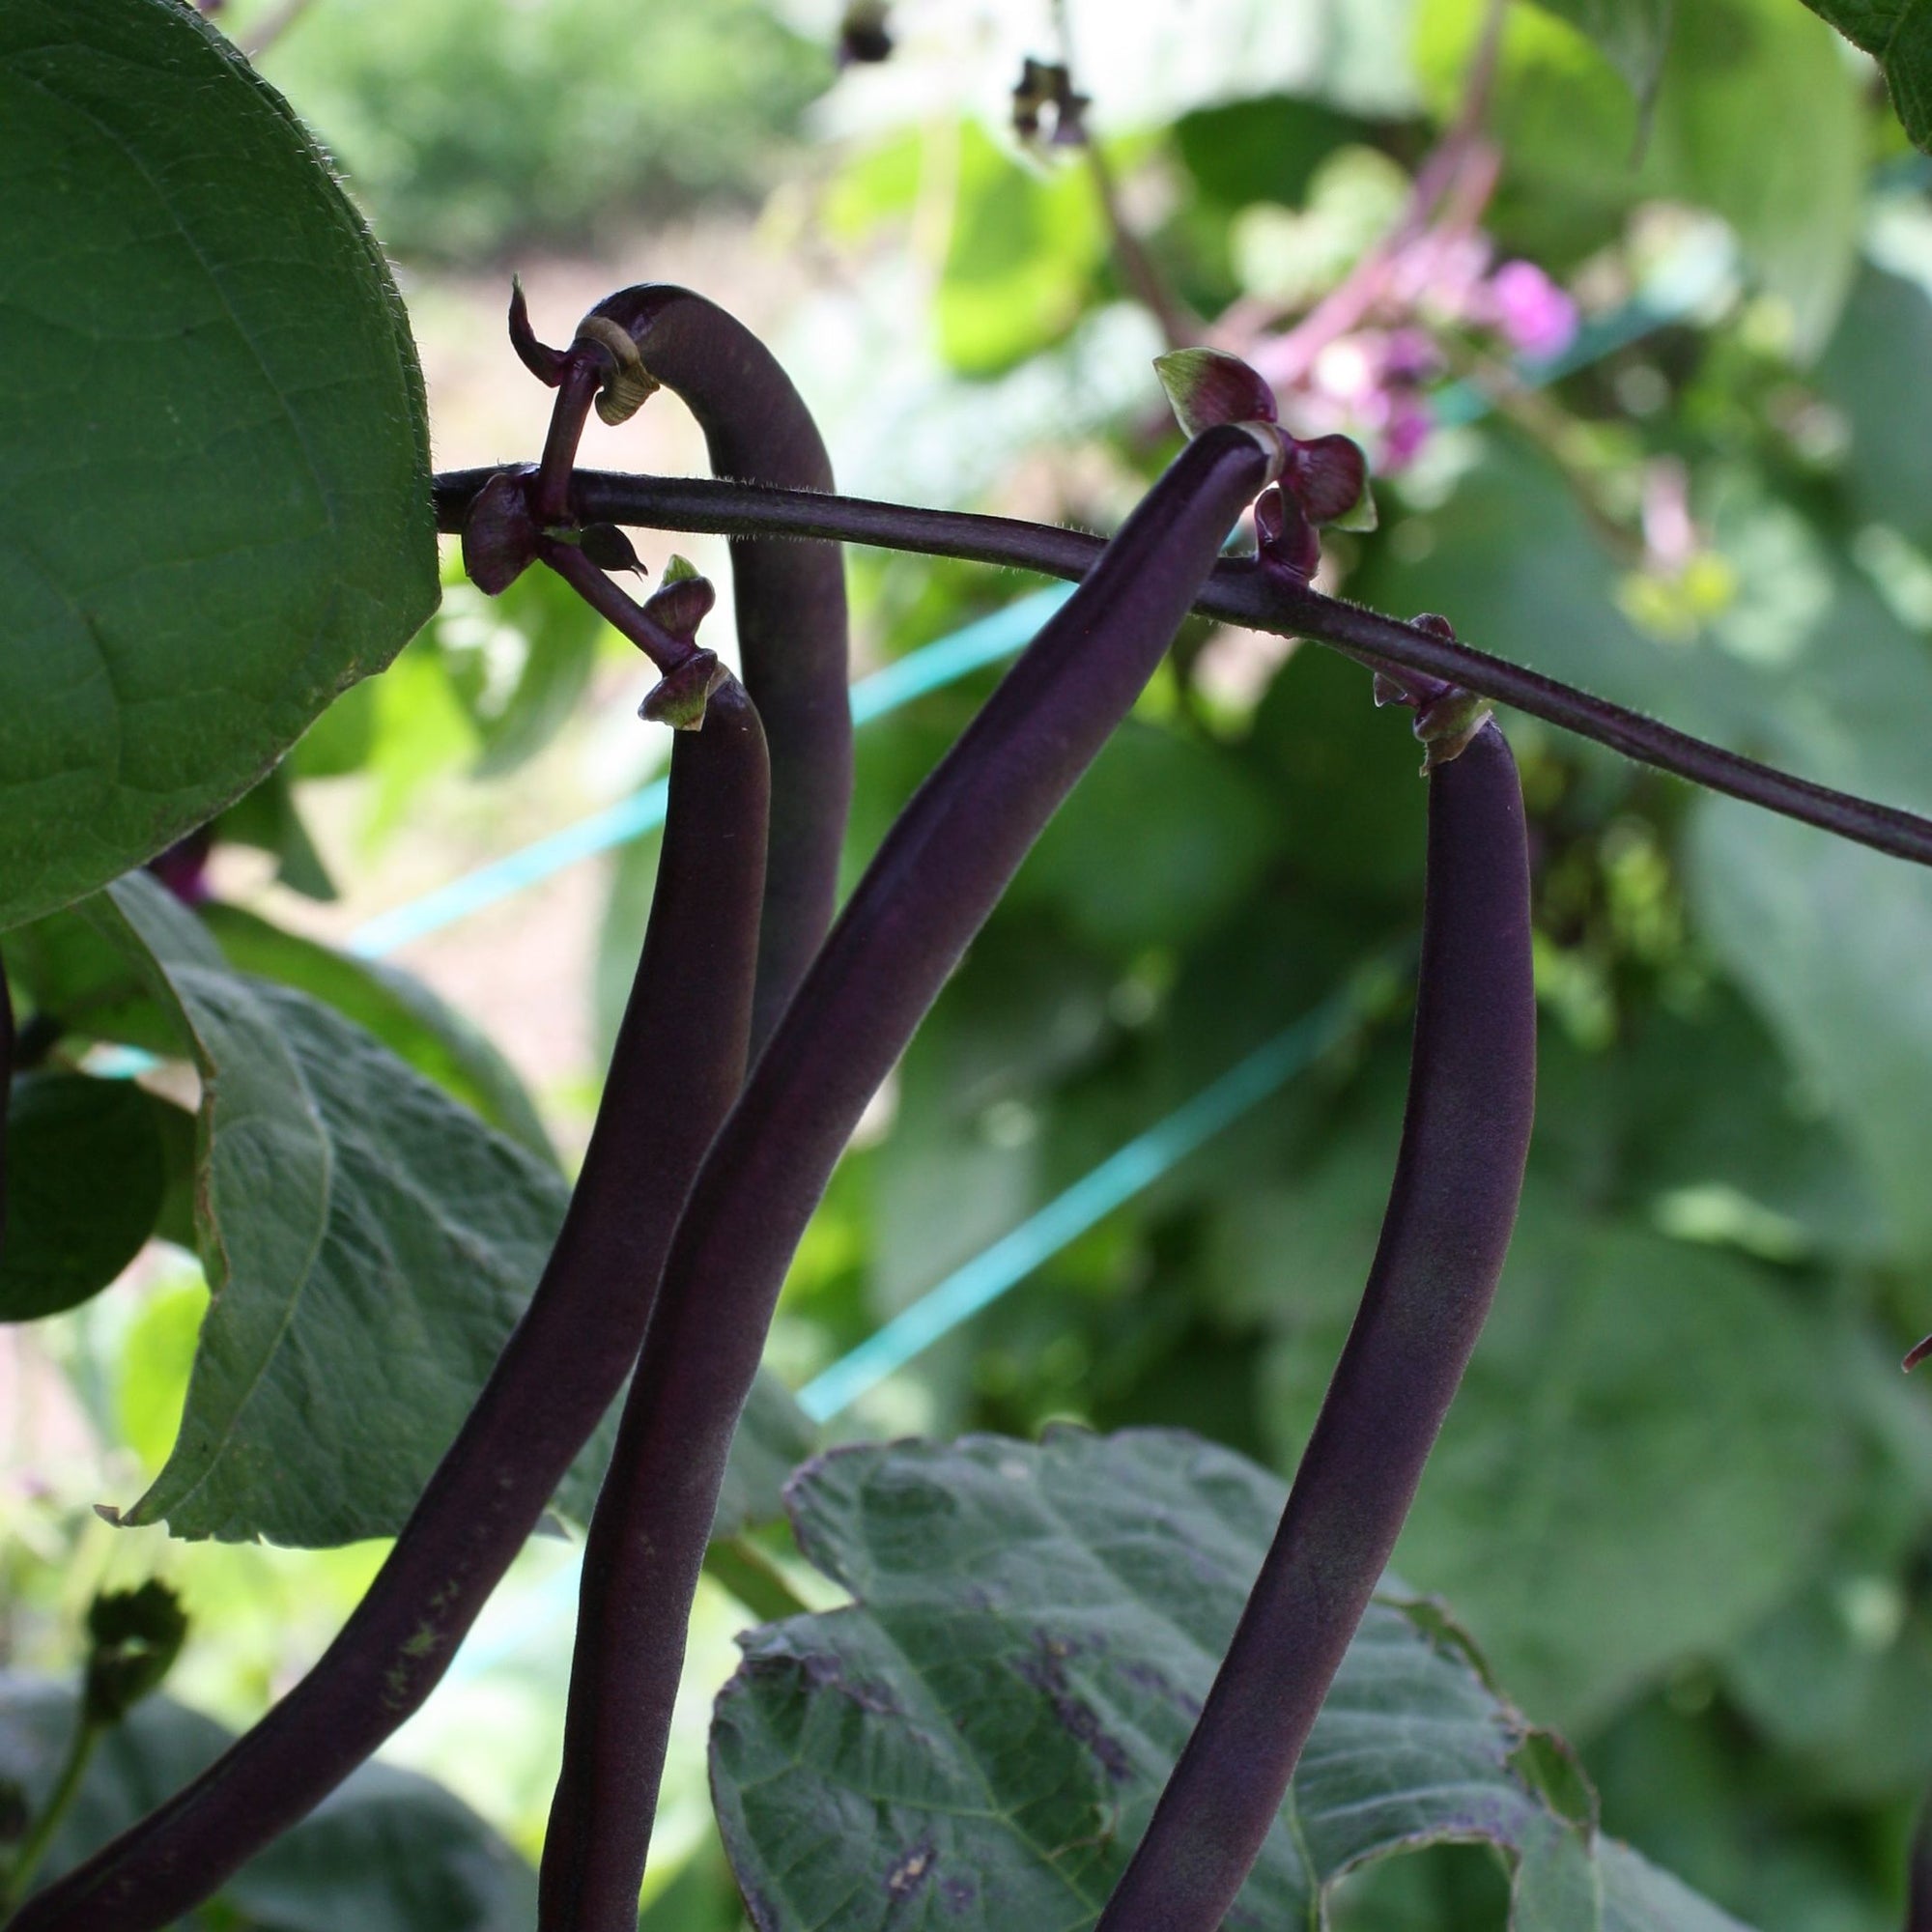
(790,597)
(1457,1177)
(939,873)
(678,1065)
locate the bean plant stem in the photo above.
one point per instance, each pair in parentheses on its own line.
(1238,593)
(1452,1207)
(923,899)
(676,1069)
(60,1802)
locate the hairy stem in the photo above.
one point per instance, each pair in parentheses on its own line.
(938,875)
(1457,1177)
(790,604)
(1239,593)
(677,1067)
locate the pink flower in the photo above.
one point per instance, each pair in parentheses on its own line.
(1537,318)
(1406,428)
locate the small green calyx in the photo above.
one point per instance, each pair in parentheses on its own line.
(1208,387)
(1447,725)
(680,697)
(627,384)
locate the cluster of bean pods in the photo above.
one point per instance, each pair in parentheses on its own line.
(759,1028)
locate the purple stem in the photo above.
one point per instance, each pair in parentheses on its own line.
(677,1067)
(939,873)
(790,607)
(1241,594)
(1457,1177)
(584,371)
(620,611)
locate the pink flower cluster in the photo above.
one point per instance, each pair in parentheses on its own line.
(1371,381)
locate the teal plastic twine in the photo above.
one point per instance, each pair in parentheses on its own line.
(1122,1175)
(1125,1174)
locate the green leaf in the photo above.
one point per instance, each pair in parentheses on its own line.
(74,974)
(387,1852)
(397,1008)
(1199,830)
(1644,1457)
(214,503)
(1738,77)
(369,1244)
(267,819)
(1898,34)
(1020,264)
(1831,942)
(1635,36)
(980,1738)
(1263,149)
(518,663)
(85,1175)
(1871,371)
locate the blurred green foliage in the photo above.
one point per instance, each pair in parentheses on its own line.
(466,129)
(1685,1501)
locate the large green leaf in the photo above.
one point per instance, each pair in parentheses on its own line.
(979,1740)
(394,1005)
(214,503)
(518,663)
(1898,34)
(1020,260)
(1159,839)
(368,1240)
(1646,1454)
(1872,370)
(85,1174)
(1738,76)
(1633,34)
(387,1852)
(370,1243)
(1832,941)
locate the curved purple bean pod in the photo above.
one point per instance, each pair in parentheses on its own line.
(790,597)
(677,1067)
(1458,1176)
(939,873)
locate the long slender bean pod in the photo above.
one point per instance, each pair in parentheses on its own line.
(1458,1176)
(789,597)
(937,876)
(677,1067)
(1238,593)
